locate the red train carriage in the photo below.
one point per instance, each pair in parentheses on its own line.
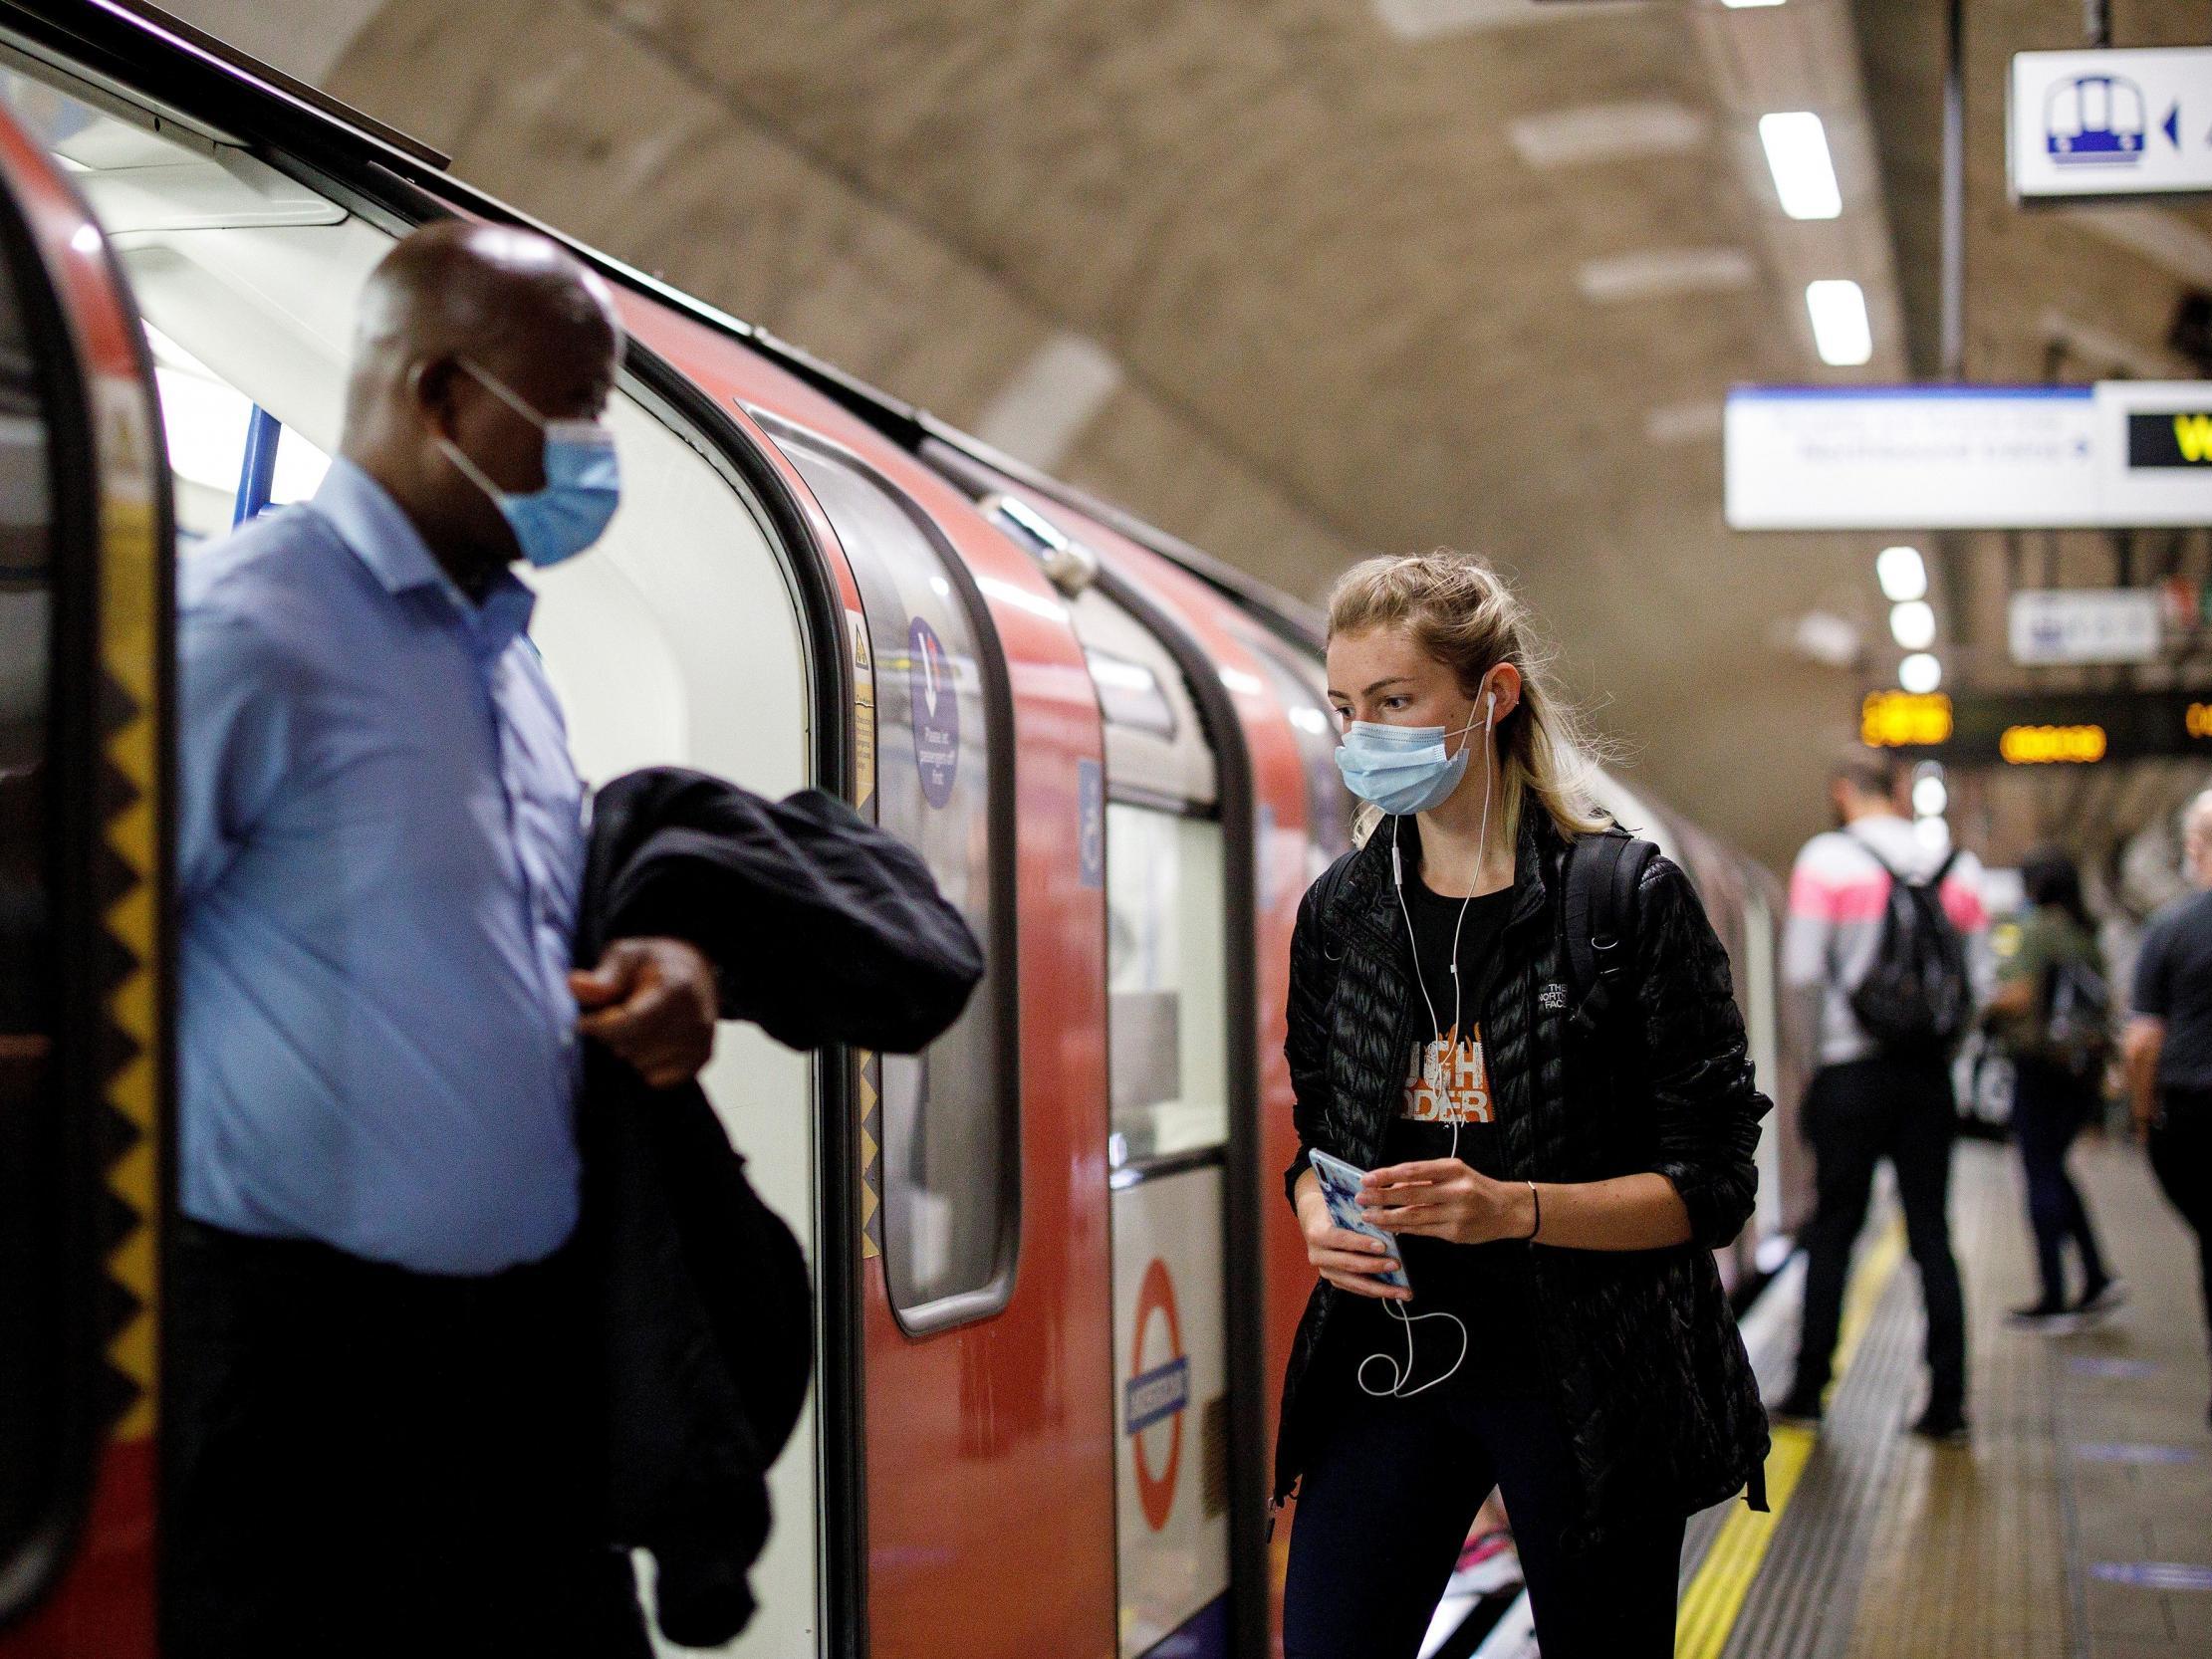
(1055,1281)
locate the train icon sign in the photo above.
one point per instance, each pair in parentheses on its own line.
(2110,122)
(2094,120)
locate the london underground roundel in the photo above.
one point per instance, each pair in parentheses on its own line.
(1157,1393)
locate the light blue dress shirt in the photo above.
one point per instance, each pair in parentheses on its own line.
(380,846)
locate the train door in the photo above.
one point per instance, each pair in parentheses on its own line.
(679,640)
(84,935)
(1169,1123)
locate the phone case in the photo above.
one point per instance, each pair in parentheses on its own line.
(1339,1190)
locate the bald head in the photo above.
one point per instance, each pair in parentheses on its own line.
(453,306)
(2196,838)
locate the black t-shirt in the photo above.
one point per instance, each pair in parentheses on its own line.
(1487,1285)
(2174,983)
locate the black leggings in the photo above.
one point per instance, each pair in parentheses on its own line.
(2049,1105)
(1385,1503)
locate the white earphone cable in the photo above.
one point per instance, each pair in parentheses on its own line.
(1401,1376)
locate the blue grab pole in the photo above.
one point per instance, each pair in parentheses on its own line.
(263,431)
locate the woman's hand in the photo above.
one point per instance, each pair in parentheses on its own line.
(1347,1260)
(1442,1198)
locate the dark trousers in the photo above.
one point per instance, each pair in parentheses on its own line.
(1387,1500)
(2049,1105)
(1855,1116)
(2181,1158)
(365,1460)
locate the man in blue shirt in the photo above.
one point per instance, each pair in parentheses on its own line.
(373,1413)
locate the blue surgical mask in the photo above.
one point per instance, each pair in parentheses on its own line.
(582,487)
(1402,769)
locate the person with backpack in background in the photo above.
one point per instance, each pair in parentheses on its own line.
(1517,1063)
(1890,935)
(2169,1043)
(2051,1015)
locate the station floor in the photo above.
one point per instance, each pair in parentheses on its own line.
(2076,1525)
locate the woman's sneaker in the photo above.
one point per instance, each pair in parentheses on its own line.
(2045,1319)
(2105,1298)
(1488,1566)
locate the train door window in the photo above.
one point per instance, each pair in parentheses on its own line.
(1166,1066)
(950,1140)
(1300,681)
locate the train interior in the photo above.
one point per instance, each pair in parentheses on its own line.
(678,644)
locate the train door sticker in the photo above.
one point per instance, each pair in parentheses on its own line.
(2094,120)
(1157,1392)
(935,702)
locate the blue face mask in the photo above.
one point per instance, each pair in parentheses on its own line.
(582,487)
(1402,769)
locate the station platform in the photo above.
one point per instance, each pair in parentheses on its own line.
(2076,1523)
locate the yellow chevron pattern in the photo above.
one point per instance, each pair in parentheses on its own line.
(131,618)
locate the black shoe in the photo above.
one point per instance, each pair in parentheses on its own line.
(2046,1319)
(1945,1424)
(2099,1299)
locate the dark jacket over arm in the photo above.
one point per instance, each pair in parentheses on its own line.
(821,928)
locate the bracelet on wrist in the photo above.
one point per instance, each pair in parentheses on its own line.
(1536,1204)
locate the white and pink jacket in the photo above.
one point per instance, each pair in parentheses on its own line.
(1837,892)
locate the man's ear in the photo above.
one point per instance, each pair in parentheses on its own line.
(431,390)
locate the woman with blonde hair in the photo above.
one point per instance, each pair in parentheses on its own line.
(1526,1119)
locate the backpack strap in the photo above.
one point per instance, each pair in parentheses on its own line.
(1602,874)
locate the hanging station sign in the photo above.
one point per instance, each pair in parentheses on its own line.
(2056,729)
(2117,454)
(2085,624)
(2133,123)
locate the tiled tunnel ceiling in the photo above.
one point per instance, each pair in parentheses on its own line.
(1300,279)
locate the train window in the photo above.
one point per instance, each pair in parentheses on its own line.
(1164,984)
(1155,744)
(950,1141)
(1299,681)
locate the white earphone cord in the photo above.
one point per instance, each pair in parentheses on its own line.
(1401,1376)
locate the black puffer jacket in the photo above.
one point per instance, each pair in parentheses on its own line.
(1651,1375)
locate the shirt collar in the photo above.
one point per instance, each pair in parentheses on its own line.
(384,539)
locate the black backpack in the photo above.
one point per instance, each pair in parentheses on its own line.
(1597,918)
(2077,1030)
(1915,999)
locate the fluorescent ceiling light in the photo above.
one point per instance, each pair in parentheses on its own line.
(1804,172)
(1428,19)
(1743,5)
(1840,330)
(1920,673)
(1601,131)
(1903,575)
(1665,271)
(1929,797)
(1913,624)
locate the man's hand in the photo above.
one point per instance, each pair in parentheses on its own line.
(1443,1198)
(653,1002)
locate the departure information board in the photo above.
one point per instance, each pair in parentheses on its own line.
(2054,729)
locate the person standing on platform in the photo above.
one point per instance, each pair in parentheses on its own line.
(1553,1156)
(1892,938)
(370,1414)
(2170,1044)
(2050,1014)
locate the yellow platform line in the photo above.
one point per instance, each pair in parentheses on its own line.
(1715,1599)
